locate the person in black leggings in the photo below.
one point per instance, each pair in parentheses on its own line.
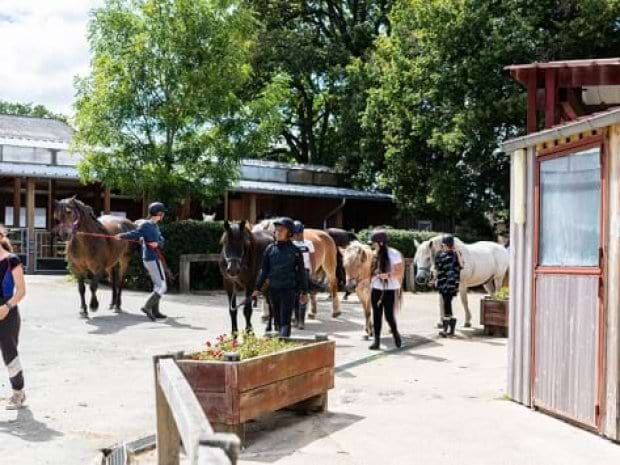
(449,265)
(12,291)
(387,267)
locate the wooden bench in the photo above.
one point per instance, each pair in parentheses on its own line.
(185,263)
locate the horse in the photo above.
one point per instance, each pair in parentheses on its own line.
(88,252)
(357,264)
(325,261)
(342,239)
(240,262)
(484,263)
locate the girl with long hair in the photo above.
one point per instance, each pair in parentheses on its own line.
(12,291)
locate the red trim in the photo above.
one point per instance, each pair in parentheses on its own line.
(570,147)
(550,91)
(532,124)
(546,154)
(581,423)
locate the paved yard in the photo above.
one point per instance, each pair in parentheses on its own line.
(441,402)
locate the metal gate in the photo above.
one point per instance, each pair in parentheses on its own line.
(49,253)
(19,241)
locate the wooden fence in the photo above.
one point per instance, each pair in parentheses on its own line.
(181,420)
(187,259)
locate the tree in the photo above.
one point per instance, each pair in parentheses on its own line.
(443,103)
(161,111)
(28,109)
(313,42)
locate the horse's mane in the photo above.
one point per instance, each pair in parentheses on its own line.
(85,211)
(247,227)
(353,249)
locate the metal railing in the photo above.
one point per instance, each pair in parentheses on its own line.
(49,253)
(181,420)
(19,241)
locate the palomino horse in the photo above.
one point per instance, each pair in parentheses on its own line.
(342,239)
(357,263)
(484,264)
(240,263)
(89,252)
(325,260)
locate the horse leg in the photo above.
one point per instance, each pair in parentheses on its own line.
(82,291)
(464,301)
(113,282)
(365,300)
(232,308)
(94,284)
(122,269)
(312,314)
(117,284)
(335,299)
(247,311)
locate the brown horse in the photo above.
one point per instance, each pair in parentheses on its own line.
(240,262)
(342,239)
(92,254)
(325,262)
(357,262)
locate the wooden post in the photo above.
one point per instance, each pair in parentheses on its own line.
(30,206)
(17,201)
(168,438)
(550,92)
(184,269)
(531,101)
(107,201)
(226,206)
(253,208)
(51,185)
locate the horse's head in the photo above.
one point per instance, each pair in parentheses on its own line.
(67,216)
(356,261)
(236,242)
(424,261)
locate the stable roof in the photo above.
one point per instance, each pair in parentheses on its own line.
(571,73)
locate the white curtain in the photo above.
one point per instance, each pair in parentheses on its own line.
(570,190)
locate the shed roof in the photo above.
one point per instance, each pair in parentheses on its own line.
(35,129)
(278,188)
(572,73)
(586,123)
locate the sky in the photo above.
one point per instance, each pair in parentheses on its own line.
(43,47)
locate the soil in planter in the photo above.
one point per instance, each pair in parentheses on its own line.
(249,347)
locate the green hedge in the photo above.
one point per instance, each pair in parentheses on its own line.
(404,239)
(183,237)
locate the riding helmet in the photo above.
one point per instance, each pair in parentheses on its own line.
(286,222)
(379,236)
(156,208)
(448,240)
(298,227)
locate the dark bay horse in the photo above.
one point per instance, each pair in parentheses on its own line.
(240,262)
(92,254)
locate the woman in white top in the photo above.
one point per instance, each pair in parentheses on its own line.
(387,267)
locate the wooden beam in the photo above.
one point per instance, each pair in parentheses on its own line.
(17,201)
(30,206)
(107,201)
(532,124)
(51,187)
(226,206)
(168,439)
(253,208)
(550,100)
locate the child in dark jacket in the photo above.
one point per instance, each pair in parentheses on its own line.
(449,267)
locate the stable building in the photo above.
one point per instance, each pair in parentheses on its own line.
(564,343)
(37,168)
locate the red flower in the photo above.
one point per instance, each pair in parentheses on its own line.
(208,344)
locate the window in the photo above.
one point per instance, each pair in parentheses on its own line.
(13,153)
(570,199)
(40,217)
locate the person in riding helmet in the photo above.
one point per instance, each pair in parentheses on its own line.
(152,240)
(449,267)
(387,267)
(306,247)
(283,266)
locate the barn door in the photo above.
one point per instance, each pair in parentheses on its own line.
(568,312)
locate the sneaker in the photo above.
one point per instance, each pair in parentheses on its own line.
(16,401)
(148,312)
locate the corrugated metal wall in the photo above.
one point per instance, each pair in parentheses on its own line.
(567,345)
(521,238)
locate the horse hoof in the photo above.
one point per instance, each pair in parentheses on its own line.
(312,316)
(265,319)
(117,310)
(336,315)
(467,325)
(366,337)
(84,315)
(94,307)
(249,330)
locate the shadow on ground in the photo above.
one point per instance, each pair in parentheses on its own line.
(283,433)
(25,426)
(112,324)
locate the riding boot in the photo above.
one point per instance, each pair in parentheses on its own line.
(150,303)
(376,345)
(285,331)
(446,327)
(452,326)
(156,313)
(397,340)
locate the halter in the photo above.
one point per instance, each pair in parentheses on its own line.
(76,224)
(230,260)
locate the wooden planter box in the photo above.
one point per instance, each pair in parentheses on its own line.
(231,393)
(494,316)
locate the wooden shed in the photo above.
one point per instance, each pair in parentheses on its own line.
(563,349)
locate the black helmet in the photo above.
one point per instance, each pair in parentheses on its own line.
(286,222)
(156,208)
(298,227)
(379,236)
(448,240)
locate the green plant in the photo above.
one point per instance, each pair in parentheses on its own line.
(250,346)
(502,294)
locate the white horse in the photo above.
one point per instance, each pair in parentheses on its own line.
(484,264)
